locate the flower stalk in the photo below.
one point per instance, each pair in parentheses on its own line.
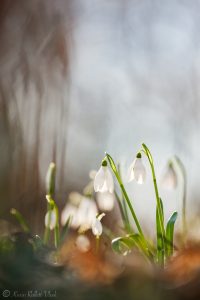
(160,215)
(126,197)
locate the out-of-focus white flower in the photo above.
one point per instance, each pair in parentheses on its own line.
(81,216)
(97,228)
(137,170)
(103,181)
(169,179)
(50,219)
(89,188)
(83,243)
(75,198)
(86,213)
(92,174)
(69,211)
(105,201)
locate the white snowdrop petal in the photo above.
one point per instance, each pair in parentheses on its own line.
(97,228)
(109,181)
(139,171)
(99,179)
(105,201)
(83,243)
(130,175)
(87,211)
(169,180)
(52,215)
(69,211)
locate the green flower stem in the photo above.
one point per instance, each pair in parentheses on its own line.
(159,206)
(51,205)
(184,176)
(123,215)
(124,208)
(47,228)
(56,230)
(117,175)
(97,244)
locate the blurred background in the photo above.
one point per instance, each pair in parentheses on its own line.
(82,77)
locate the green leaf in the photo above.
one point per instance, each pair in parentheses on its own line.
(65,230)
(20,219)
(50,179)
(160,240)
(170,234)
(122,245)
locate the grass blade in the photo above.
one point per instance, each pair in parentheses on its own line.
(160,241)
(20,219)
(170,234)
(65,229)
(122,245)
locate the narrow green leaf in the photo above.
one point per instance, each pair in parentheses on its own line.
(56,229)
(122,245)
(20,219)
(170,234)
(160,240)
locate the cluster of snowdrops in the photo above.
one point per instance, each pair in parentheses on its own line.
(81,211)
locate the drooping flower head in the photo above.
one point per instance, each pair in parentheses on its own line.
(105,201)
(97,228)
(50,219)
(137,170)
(81,215)
(69,213)
(169,179)
(103,181)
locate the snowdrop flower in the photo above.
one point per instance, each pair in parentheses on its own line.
(105,201)
(75,198)
(97,228)
(83,243)
(50,219)
(169,179)
(86,213)
(69,211)
(103,181)
(137,170)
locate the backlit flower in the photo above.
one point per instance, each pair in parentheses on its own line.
(97,227)
(83,243)
(103,181)
(137,170)
(69,211)
(169,179)
(105,201)
(50,219)
(86,213)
